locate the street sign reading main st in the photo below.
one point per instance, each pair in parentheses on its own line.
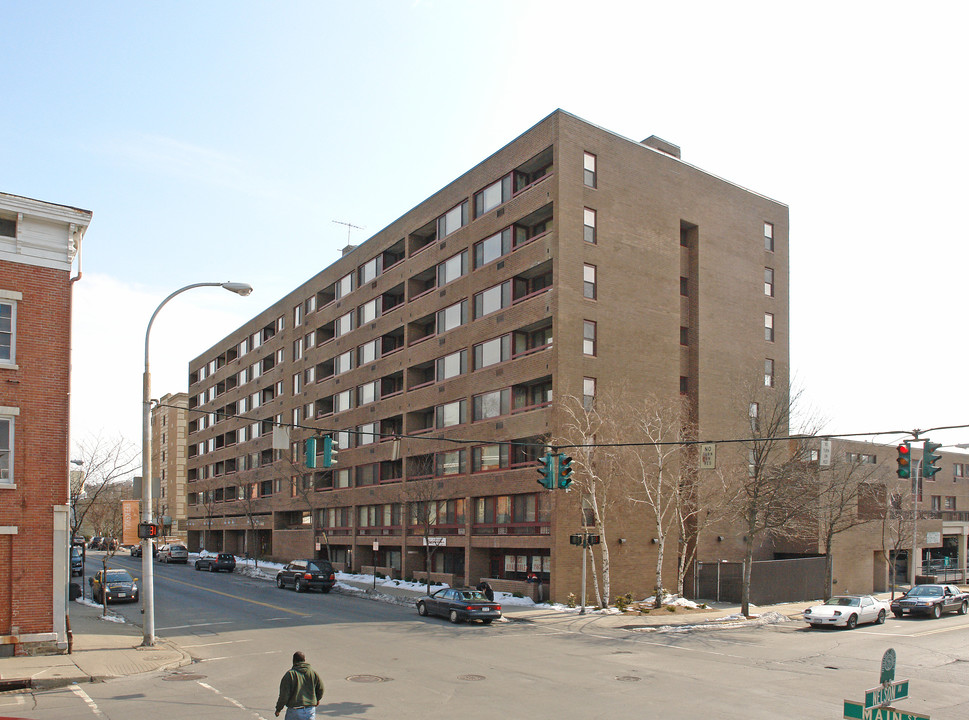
(855,711)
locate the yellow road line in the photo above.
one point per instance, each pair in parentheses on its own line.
(234,597)
(940,630)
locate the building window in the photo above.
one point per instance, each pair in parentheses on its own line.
(589,170)
(343,286)
(769,236)
(453,462)
(8,332)
(950,502)
(684,385)
(684,335)
(368,311)
(589,281)
(452,317)
(588,338)
(343,401)
(684,286)
(493,299)
(769,327)
(490,249)
(367,434)
(769,282)
(298,315)
(455,413)
(492,352)
(936,503)
(492,196)
(369,270)
(453,219)
(753,412)
(489,457)
(368,393)
(343,363)
(588,392)
(6,450)
(343,324)
(8,227)
(589,225)
(768,373)
(452,268)
(492,404)
(451,365)
(368,352)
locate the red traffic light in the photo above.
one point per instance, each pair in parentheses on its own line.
(903,449)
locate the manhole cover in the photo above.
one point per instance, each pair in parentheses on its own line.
(367,678)
(175,677)
(628,678)
(471,677)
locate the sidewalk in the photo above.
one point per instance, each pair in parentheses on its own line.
(102,650)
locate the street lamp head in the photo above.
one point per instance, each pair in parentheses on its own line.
(238,288)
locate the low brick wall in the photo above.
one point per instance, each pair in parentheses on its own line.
(449,579)
(529,590)
(384,571)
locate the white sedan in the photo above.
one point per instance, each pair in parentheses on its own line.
(848,611)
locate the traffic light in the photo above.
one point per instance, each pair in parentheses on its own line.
(904,460)
(564,471)
(311,452)
(546,468)
(331,448)
(930,458)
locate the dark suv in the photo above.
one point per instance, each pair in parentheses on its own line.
(214,563)
(307,574)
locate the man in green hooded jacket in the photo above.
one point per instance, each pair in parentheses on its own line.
(300,690)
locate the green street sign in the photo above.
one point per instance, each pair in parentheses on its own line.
(884,694)
(855,711)
(888,666)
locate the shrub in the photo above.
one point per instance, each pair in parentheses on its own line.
(571,600)
(623,601)
(671,608)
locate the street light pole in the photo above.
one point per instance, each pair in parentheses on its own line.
(147,581)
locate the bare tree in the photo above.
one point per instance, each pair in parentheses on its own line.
(653,462)
(104,462)
(249,501)
(773,475)
(897,519)
(584,426)
(422,504)
(839,491)
(207,500)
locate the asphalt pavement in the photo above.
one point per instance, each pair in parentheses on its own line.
(104,649)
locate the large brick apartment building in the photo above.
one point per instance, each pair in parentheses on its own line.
(570,261)
(38,242)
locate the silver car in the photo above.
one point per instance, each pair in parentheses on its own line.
(173,554)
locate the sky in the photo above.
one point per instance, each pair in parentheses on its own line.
(224,141)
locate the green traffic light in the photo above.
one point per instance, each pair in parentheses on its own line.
(930,458)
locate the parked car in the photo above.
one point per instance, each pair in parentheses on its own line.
(459,604)
(931,600)
(77,561)
(96,543)
(113,584)
(78,539)
(215,563)
(848,611)
(172,553)
(307,575)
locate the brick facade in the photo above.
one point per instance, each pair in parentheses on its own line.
(37,243)
(658,220)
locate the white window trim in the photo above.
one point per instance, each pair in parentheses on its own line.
(13,297)
(10,413)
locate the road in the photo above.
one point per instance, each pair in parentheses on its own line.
(384,661)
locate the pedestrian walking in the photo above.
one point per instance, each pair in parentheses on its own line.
(300,690)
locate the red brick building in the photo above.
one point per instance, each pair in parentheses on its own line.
(38,242)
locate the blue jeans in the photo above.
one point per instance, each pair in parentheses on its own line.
(304,713)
